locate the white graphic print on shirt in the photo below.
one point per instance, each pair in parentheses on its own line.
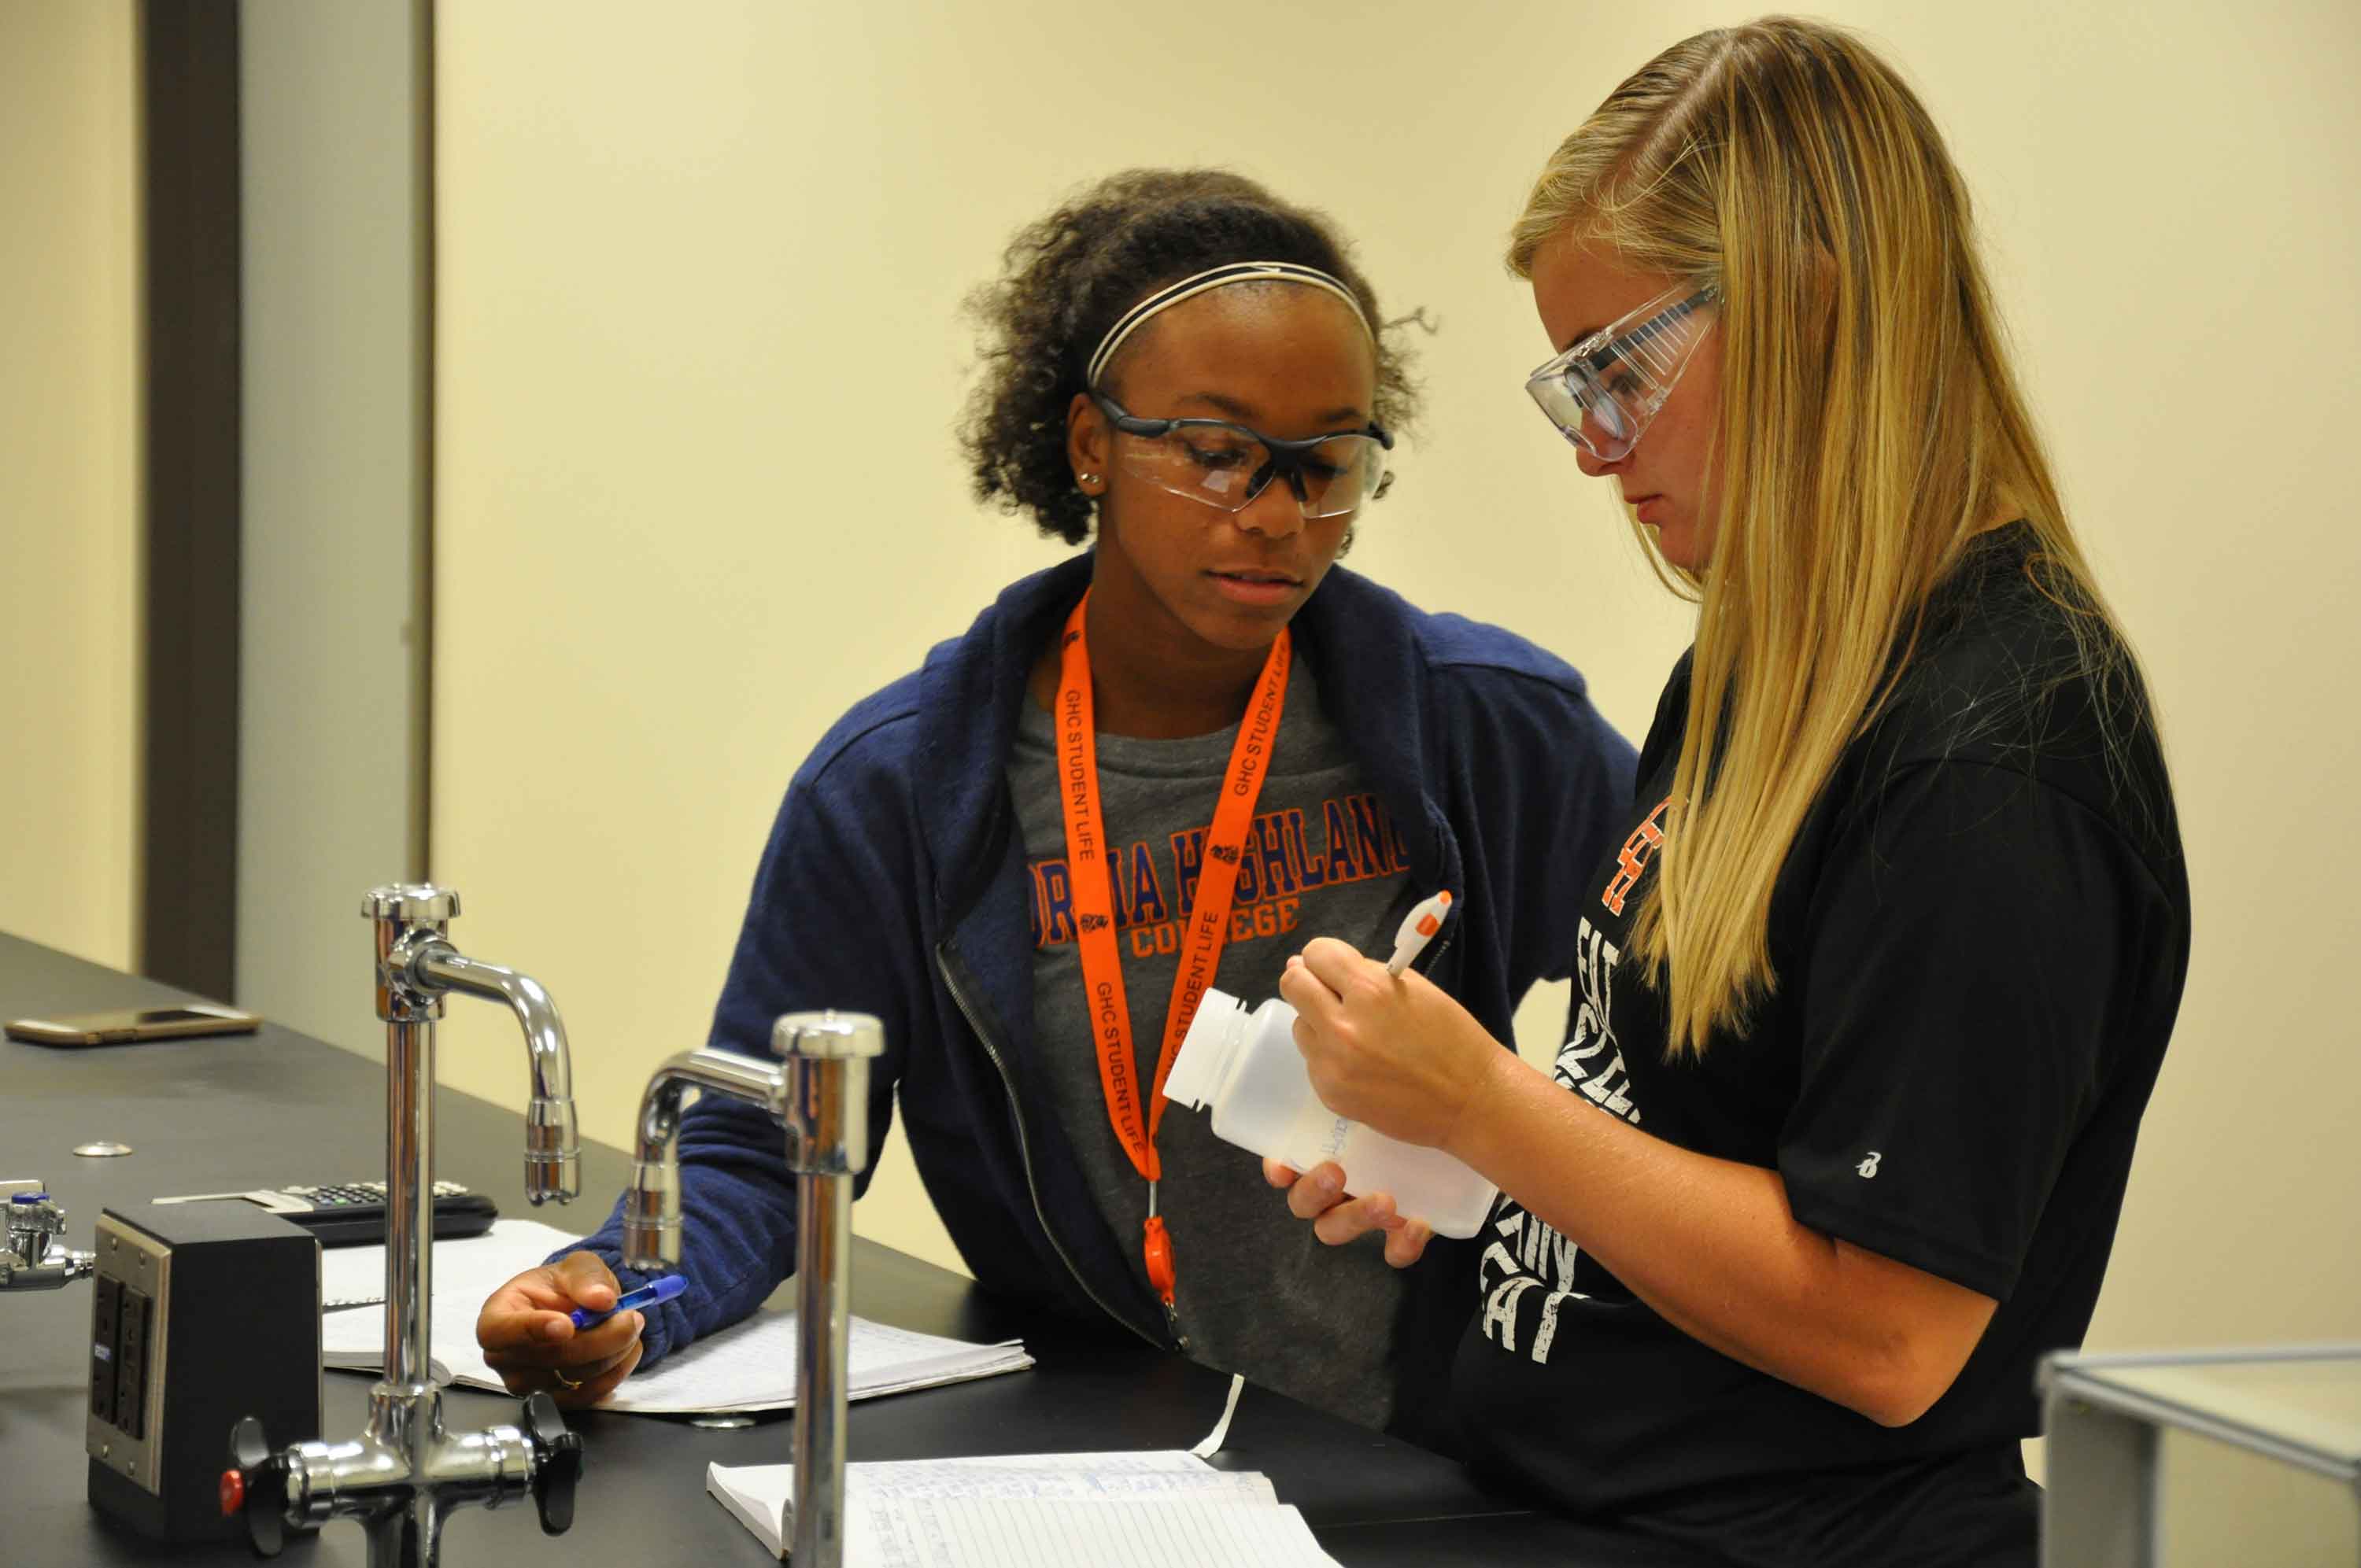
(1525,1254)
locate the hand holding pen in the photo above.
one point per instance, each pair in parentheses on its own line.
(532,1332)
(1382,1043)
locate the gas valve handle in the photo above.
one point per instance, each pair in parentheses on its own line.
(556,1463)
(255,1486)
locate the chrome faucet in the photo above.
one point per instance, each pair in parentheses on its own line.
(404,1475)
(28,1261)
(820,1093)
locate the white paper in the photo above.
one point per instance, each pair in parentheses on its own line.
(763,1495)
(753,1508)
(1141,1510)
(1211,1443)
(1144,1532)
(773,1485)
(750,1366)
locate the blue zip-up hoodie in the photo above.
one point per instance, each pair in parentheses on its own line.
(895,884)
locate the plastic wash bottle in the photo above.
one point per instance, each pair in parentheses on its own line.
(1246,1068)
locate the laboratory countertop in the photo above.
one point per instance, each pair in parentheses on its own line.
(233,1113)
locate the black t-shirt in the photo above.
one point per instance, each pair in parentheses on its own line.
(1977,939)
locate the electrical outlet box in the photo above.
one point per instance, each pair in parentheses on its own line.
(200,1314)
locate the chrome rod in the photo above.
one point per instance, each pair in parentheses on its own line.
(408,1202)
(823,1313)
(828,1056)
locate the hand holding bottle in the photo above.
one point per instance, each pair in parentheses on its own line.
(1318,1195)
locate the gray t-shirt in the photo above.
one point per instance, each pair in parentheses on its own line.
(1256,1291)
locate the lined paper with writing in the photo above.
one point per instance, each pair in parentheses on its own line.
(1047,1532)
(1143,1510)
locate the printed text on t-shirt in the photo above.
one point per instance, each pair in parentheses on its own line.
(1357,839)
(1633,858)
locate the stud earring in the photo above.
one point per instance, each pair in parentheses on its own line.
(1089,481)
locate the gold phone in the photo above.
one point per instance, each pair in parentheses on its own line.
(133,1025)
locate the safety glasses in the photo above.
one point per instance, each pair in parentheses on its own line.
(1226,465)
(1602,392)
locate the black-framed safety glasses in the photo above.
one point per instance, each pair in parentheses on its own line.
(1226,465)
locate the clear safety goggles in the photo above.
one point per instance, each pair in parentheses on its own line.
(1226,465)
(1602,392)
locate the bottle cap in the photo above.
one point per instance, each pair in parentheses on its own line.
(1204,1052)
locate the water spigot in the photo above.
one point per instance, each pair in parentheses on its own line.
(818,1092)
(406,1472)
(30,1260)
(651,1208)
(417,966)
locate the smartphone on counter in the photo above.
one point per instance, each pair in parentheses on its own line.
(133,1025)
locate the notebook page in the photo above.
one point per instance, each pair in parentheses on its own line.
(757,1512)
(772,1486)
(752,1365)
(761,1496)
(1037,1532)
(749,1365)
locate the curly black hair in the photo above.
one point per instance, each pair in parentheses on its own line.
(1065,280)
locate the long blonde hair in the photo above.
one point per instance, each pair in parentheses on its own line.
(1869,428)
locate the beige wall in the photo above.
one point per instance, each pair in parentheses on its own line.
(700,350)
(69,474)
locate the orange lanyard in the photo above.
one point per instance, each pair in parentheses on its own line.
(1088,853)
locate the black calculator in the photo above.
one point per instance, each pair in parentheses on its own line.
(350,1213)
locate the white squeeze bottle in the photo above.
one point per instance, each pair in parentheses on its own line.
(1245,1065)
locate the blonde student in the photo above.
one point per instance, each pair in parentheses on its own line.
(1876,975)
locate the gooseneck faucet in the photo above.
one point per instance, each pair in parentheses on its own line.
(28,1261)
(820,1093)
(404,1475)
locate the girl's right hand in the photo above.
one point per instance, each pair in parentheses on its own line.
(1318,1196)
(530,1340)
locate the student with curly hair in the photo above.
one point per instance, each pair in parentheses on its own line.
(1181,752)
(1878,976)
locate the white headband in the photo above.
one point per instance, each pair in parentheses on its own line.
(1190,286)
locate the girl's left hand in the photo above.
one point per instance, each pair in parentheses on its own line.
(1391,1051)
(1318,1195)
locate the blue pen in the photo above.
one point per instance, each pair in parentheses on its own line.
(647,1295)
